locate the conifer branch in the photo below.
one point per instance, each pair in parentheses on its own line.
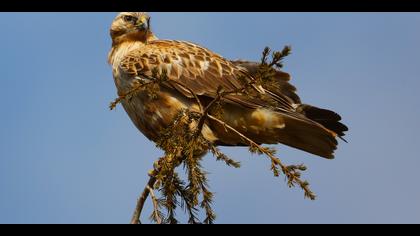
(291,172)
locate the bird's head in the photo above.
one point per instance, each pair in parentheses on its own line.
(131,26)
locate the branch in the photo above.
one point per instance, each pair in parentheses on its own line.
(205,112)
(143,197)
(128,94)
(222,157)
(141,200)
(156,215)
(291,172)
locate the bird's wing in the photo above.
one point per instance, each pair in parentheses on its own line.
(203,73)
(281,87)
(198,69)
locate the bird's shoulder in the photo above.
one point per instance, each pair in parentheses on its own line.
(179,59)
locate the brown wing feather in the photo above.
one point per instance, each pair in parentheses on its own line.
(282,86)
(194,67)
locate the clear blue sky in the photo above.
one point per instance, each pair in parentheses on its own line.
(65,158)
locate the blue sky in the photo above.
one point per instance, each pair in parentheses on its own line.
(65,158)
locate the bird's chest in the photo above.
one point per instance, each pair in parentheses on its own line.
(153,114)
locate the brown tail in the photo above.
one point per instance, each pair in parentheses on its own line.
(315,132)
(309,136)
(327,118)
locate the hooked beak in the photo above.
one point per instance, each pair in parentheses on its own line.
(143,24)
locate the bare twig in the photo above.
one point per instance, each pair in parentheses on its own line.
(131,92)
(155,205)
(141,200)
(206,111)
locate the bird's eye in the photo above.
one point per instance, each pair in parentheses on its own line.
(131,19)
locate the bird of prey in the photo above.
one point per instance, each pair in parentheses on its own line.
(136,52)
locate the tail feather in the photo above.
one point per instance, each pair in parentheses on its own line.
(308,136)
(272,127)
(315,132)
(327,118)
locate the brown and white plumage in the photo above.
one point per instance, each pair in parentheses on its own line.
(136,52)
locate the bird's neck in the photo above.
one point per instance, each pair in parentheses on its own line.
(124,45)
(120,50)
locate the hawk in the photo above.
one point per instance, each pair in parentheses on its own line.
(136,52)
